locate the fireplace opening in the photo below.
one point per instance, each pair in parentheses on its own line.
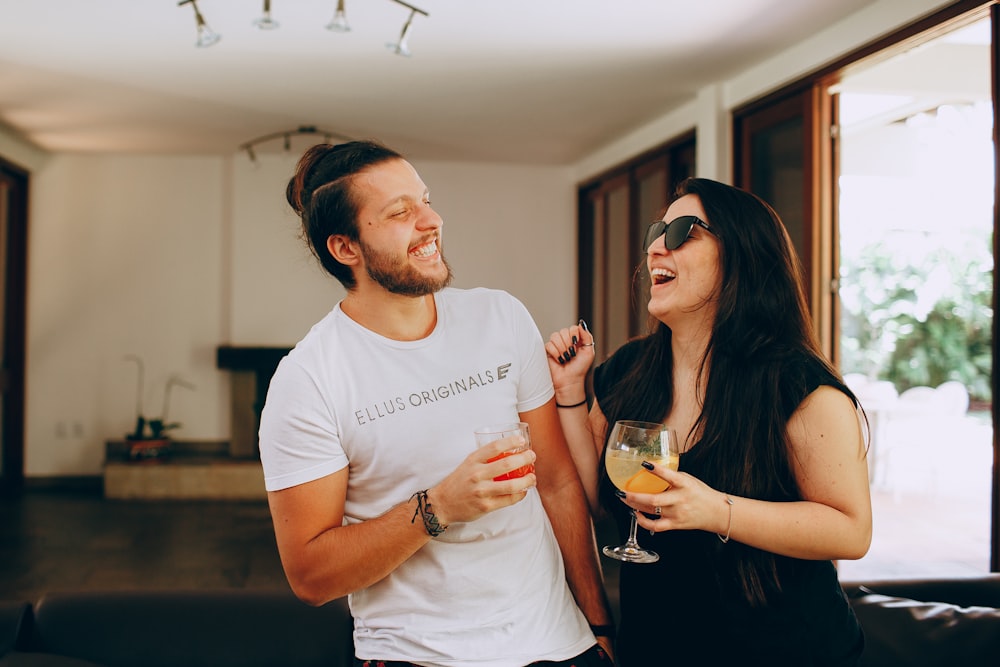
(251,369)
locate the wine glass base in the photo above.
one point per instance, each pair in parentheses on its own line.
(631,554)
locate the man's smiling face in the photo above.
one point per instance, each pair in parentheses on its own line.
(399,232)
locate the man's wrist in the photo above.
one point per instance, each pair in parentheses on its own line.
(603,630)
(425,512)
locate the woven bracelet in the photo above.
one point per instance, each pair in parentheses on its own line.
(426,512)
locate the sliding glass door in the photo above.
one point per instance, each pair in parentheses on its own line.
(885,175)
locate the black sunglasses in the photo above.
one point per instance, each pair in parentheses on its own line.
(675,232)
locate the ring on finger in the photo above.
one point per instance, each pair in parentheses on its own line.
(656,510)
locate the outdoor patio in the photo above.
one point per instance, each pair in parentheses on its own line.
(931,491)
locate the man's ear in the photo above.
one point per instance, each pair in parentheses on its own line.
(343,249)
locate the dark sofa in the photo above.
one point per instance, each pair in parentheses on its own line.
(907,622)
(219,628)
(931,621)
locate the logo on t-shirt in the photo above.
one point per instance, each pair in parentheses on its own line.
(476,380)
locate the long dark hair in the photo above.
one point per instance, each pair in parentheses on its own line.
(320,192)
(760,357)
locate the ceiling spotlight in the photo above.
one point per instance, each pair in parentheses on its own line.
(402,48)
(265,22)
(286,137)
(206,36)
(339,21)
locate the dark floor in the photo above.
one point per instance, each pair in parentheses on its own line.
(60,540)
(77,540)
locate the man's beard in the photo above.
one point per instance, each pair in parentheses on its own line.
(398,277)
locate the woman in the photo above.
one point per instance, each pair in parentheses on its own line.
(773,482)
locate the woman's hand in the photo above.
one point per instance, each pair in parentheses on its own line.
(570,354)
(689,504)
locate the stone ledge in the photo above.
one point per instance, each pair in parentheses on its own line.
(180,479)
(118,450)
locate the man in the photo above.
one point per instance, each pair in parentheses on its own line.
(375,484)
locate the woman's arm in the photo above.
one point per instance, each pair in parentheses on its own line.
(834,519)
(570,354)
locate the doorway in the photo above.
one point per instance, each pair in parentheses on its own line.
(925,351)
(915,212)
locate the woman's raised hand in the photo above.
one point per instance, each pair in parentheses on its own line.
(570,353)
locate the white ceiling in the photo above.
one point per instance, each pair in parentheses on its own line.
(541,81)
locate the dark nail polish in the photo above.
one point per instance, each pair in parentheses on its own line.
(560,360)
(574,340)
(647,465)
(572,351)
(619,493)
(583,324)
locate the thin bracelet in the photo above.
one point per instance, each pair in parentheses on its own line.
(575,405)
(603,630)
(730,526)
(426,512)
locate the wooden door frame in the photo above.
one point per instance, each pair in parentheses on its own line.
(589,247)
(793,102)
(995,380)
(15,264)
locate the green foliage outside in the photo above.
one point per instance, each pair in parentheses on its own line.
(919,319)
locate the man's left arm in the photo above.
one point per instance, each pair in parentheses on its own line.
(565,503)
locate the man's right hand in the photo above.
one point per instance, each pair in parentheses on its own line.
(470,491)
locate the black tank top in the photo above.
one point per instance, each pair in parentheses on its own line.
(688,608)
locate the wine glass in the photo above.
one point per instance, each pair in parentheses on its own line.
(631,443)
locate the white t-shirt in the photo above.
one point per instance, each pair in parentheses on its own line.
(401,415)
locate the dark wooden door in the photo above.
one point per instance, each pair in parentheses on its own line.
(13,278)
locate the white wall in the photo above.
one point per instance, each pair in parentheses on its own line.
(169,257)
(276,288)
(499,219)
(511,227)
(16,150)
(123,259)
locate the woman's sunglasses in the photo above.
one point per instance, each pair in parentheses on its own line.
(675,232)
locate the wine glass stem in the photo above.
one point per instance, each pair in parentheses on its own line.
(633,526)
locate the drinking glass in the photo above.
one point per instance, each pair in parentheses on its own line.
(631,443)
(487,434)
